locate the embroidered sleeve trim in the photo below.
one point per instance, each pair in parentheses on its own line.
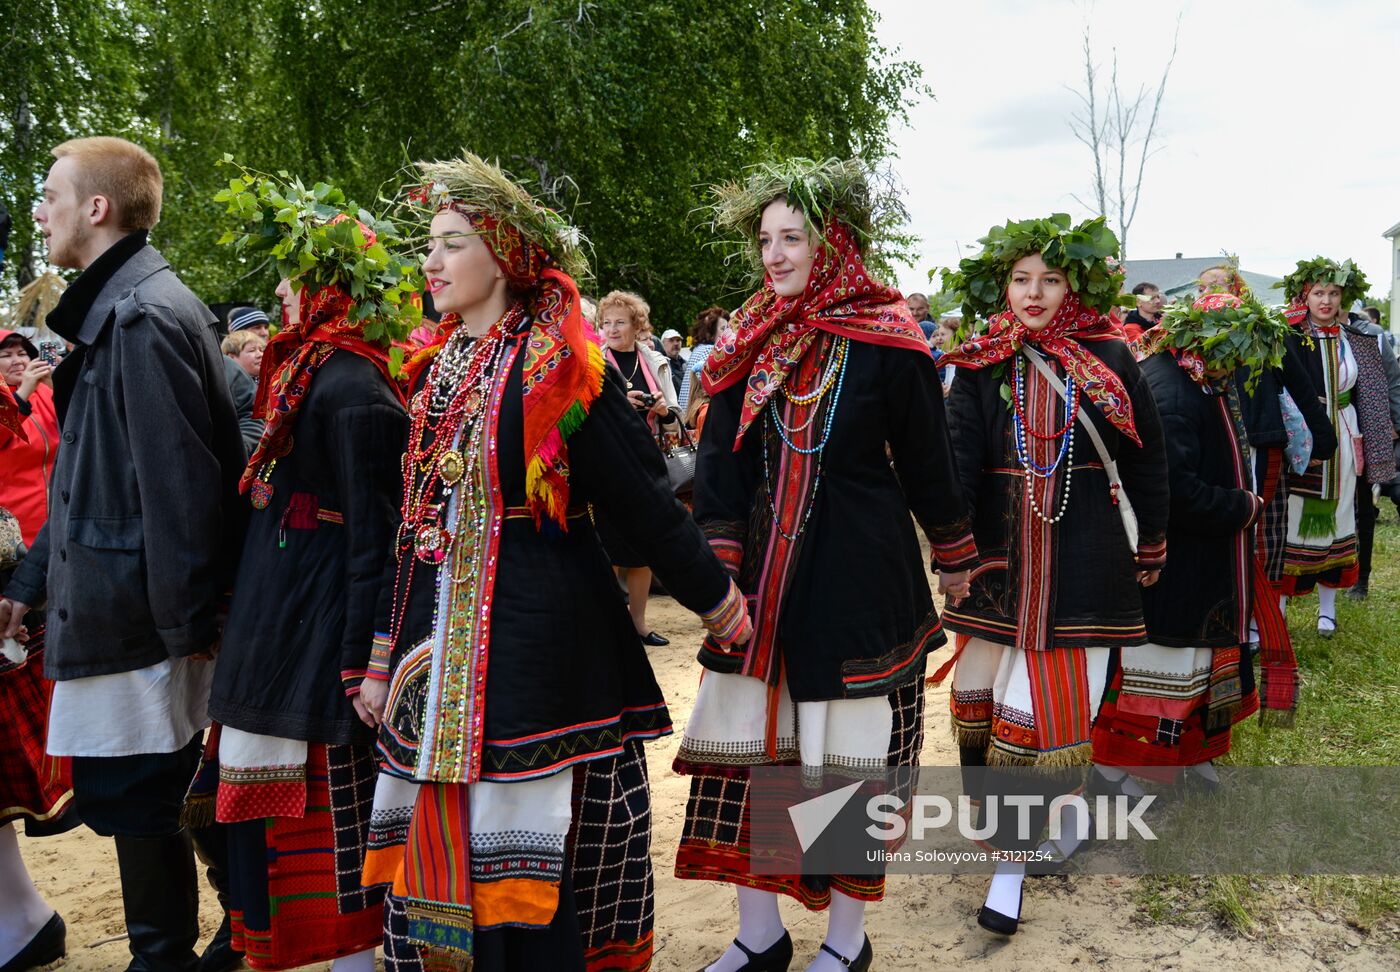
(379,654)
(727,620)
(1152,555)
(352,677)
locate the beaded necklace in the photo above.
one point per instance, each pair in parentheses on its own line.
(1021,426)
(832,381)
(451,401)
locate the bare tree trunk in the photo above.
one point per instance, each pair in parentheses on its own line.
(1119,144)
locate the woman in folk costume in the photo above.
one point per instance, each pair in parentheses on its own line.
(824,369)
(1281,411)
(512,813)
(1048,397)
(34,786)
(1346,370)
(1174,699)
(293,743)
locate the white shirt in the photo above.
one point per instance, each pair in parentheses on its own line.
(151,710)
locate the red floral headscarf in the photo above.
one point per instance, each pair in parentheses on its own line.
(1062,339)
(10,416)
(563,368)
(771,333)
(292,359)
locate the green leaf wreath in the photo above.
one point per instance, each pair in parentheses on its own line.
(1320,270)
(1087,253)
(865,200)
(297,228)
(1250,335)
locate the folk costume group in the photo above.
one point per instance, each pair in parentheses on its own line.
(429,701)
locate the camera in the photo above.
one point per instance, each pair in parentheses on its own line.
(648,400)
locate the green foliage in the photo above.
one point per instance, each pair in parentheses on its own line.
(1320,270)
(316,238)
(849,189)
(623,112)
(1228,337)
(1088,253)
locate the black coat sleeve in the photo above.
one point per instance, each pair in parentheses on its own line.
(370,490)
(1144,470)
(726,481)
(1305,395)
(29,583)
(616,465)
(968,430)
(923,458)
(1197,506)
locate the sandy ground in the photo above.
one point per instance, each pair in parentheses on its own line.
(926,922)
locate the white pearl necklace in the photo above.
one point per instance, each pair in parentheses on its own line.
(1068,467)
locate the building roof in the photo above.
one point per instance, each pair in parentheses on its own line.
(1179,274)
(1392,232)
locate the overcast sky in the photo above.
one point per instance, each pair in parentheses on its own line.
(1280,130)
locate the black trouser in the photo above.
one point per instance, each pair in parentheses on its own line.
(1366,514)
(136,800)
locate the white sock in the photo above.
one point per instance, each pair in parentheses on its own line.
(760,927)
(359,962)
(1206,771)
(1113,774)
(1283,604)
(1327,603)
(23,911)
(1069,815)
(845,933)
(1004,895)
(1253,632)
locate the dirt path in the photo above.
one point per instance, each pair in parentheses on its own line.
(926,922)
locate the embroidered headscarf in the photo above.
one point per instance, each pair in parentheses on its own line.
(771,333)
(1063,339)
(562,371)
(293,357)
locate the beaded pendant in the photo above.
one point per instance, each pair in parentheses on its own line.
(260,494)
(430,543)
(451,466)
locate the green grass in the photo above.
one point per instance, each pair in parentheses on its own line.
(1348,715)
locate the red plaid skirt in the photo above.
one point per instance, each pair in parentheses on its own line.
(33,785)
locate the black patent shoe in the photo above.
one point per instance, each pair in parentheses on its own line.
(49,944)
(775,958)
(861,963)
(654,640)
(994,921)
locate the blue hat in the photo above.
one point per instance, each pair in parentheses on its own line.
(242,318)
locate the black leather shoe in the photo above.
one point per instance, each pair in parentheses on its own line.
(995,921)
(1359,592)
(654,640)
(49,944)
(861,963)
(775,958)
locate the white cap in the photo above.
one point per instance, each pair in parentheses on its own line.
(672,332)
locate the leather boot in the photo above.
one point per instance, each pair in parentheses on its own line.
(160,895)
(211,846)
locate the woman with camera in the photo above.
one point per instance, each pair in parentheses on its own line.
(622,317)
